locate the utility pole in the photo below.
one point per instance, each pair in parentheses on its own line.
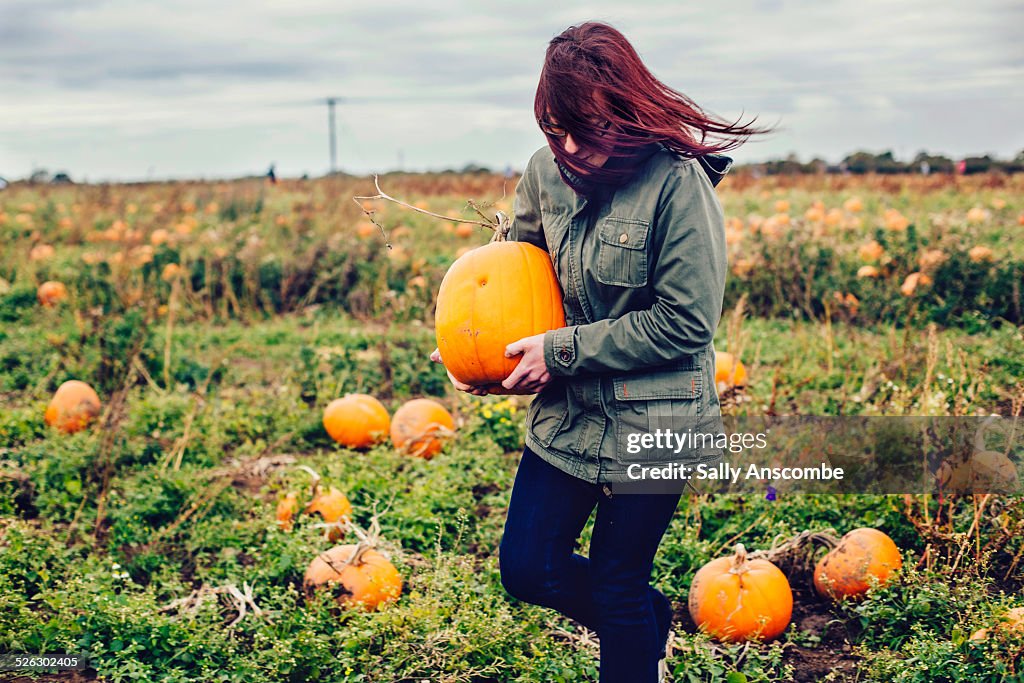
(330,128)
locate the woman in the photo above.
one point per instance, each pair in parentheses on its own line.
(623,199)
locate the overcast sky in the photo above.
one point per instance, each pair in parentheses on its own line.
(135,89)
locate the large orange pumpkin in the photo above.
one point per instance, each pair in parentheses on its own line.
(367,578)
(490,297)
(736,598)
(356,420)
(419,427)
(844,572)
(50,293)
(334,507)
(73,406)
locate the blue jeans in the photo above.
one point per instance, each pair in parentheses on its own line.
(610,591)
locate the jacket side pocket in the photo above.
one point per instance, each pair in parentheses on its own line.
(659,403)
(547,413)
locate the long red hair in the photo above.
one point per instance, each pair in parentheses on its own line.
(593,74)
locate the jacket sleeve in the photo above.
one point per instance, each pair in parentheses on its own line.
(526,216)
(688,288)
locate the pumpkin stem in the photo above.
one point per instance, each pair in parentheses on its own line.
(431,431)
(739,560)
(315,486)
(369,539)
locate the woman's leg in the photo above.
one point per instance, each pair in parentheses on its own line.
(633,618)
(547,512)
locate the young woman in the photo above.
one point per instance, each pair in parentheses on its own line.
(623,200)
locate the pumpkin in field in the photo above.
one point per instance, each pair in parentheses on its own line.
(464,230)
(983,472)
(1010,623)
(334,507)
(981,254)
(356,420)
(73,406)
(736,598)
(287,508)
(365,578)
(846,570)
(50,293)
(41,252)
(729,371)
(420,427)
(490,297)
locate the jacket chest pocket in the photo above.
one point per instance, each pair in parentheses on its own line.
(622,251)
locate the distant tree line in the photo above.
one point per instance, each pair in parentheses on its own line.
(886,163)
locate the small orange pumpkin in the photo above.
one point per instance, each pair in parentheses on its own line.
(464,230)
(844,572)
(736,598)
(73,406)
(368,579)
(729,371)
(356,420)
(334,507)
(50,293)
(490,297)
(41,252)
(287,508)
(420,426)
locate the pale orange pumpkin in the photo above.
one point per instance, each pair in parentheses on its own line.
(981,254)
(1011,623)
(356,420)
(367,578)
(50,293)
(490,297)
(982,472)
(334,507)
(41,252)
(420,426)
(736,598)
(846,570)
(871,251)
(73,406)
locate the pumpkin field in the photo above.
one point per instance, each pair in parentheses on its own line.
(225,454)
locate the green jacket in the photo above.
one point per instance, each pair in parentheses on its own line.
(643,278)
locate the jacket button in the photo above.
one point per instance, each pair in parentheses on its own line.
(564,355)
(623,238)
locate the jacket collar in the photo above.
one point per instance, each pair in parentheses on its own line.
(715,167)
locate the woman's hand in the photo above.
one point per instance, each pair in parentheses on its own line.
(469,389)
(531,375)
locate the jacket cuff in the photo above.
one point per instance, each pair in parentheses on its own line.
(560,350)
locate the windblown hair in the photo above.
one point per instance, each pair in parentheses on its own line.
(593,74)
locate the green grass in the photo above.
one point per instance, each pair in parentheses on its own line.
(214,404)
